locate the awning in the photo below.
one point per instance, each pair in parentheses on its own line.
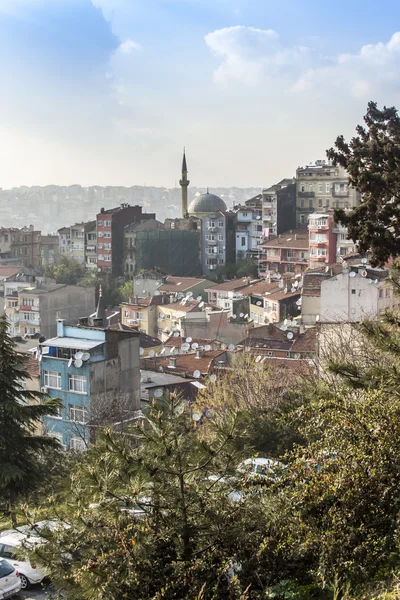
(75,343)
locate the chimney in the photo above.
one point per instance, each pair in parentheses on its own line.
(199,353)
(172,362)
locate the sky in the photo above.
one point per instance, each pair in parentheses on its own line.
(108,92)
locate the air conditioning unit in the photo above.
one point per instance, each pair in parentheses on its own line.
(44,389)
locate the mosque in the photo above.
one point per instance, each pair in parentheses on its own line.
(201,205)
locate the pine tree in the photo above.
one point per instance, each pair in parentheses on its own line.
(21,449)
(372,160)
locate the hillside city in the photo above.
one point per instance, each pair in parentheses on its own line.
(199,388)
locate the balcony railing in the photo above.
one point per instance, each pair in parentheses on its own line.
(340,193)
(306,194)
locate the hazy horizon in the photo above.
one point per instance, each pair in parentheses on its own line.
(108,92)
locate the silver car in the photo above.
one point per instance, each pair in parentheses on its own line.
(10,583)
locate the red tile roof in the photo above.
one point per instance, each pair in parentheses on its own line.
(231,286)
(6,272)
(259,288)
(267,332)
(185,363)
(298,238)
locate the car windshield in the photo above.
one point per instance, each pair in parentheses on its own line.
(5,568)
(7,552)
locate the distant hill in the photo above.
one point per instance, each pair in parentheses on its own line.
(50,207)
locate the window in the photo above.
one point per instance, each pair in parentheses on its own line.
(310,187)
(302,219)
(107,223)
(221,261)
(168,316)
(107,246)
(220,237)
(327,204)
(328,188)
(52,379)
(212,223)
(302,188)
(320,187)
(290,254)
(320,202)
(77,384)
(140,316)
(220,250)
(210,237)
(100,223)
(290,268)
(301,203)
(27,301)
(337,187)
(387,294)
(107,257)
(77,444)
(107,269)
(274,307)
(380,293)
(353,291)
(79,414)
(220,223)
(310,203)
(244,214)
(100,234)
(107,234)
(243,242)
(337,203)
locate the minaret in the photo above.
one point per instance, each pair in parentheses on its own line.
(184,183)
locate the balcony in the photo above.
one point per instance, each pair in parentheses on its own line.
(211,242)
(268,205)
(306,194)
(317,225)
(340,193)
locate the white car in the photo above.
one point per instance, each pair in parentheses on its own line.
(10,546)
(261,467)
(10,583)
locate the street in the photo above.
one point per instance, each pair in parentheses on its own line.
(36,593)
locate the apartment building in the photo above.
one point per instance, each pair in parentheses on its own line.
(110,227)
(218,294)
(271,302)
(49,250)
(286,253)
(279,208)
(89,369)
(177,287)
(321,186)
(141,313)
(26,247)
(34,310)
(322,239)
(343,245)
(91,245)
(5,241)
(73,241)
(249,232)
(217,241)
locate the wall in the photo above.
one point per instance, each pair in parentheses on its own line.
(339,303)
(310,308)
(69,302)
(145,286)
(217,326)
(175,251)
(286,209)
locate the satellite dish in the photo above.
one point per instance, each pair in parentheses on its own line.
(201,304)
(161,316)
(207,349)
(189,339)
(233,316)
(363,273)
(78,355)
(196,374)
(352,274)
(258,359)
(151,353)
(78,363)
(284,328)
(195,345)
(70,362)
(144,291)
(285,322)
(213,378)
(289,335)
(241,315)
(246,316)
(185,347)
(364,261)
(223,346)
(162,352)
(157,293)
(231,347)
(158,393)
(196,415)
(317,318)
(189,295)
(40,357)
(176,334)
(85,356)
(199,298)
(376,281)
(259,303)
(141,351)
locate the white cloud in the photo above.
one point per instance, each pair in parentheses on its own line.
(129,46)
(249,55)
(375,69)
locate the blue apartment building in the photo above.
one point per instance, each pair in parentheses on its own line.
(83,364)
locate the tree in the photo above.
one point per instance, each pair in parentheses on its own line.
(68,271)
(188,540)
(22,450)
(372,160)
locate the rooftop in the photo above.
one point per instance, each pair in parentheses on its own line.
(180,284)
(6,272)
(178,341)
(187,363)
(296,238)
(43,289)
(189,306)
(260,288)
(232,285)
(70,342)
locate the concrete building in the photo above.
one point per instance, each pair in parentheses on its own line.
(25,247)
(249,233)
(287,253)
(221,292)
(91,245)
(170,317)
(279,208)
(343,245)
(322,239)
(322,186)
(217,241)
(74,244)
(218,325)
(141,313)
(110,236)
(5,241)
(14,278)
(271,302)
(34,310)
(130,235)
(89,369)
(50,250)
(357,293)
(145,284)
(178,287)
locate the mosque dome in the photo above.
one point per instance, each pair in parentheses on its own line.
(206,204)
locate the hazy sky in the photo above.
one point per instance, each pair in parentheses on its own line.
(109,91)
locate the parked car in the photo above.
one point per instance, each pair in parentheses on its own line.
(10,583)
(11,546)
(261,470)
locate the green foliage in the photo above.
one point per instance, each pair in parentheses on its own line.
(241,268)
(22,450)
(372,159)
(126,290)
(68,271)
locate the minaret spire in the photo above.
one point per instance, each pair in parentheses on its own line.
(184,183)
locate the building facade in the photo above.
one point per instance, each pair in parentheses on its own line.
(110,227)
(34,310)
(91,245)
(322,186)
(249,233)
(279,208)
(88,368)
(322,239)
(218,239)
(26,247)
(286,253)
